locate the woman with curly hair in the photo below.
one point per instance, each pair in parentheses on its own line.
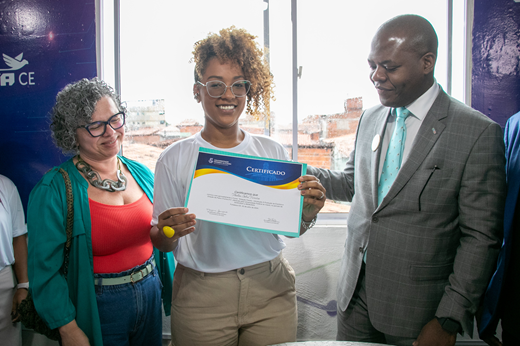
(111,294)
(232,285)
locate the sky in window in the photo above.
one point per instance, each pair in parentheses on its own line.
(333,44)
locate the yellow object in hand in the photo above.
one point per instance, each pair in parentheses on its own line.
(168,231)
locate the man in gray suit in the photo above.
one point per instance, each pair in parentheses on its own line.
(420,249)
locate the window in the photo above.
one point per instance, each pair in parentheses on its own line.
(332,41)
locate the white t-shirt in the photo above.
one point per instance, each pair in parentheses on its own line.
(212,247)
(12,220)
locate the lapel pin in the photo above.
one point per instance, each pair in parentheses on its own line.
(433,130)
(375,142)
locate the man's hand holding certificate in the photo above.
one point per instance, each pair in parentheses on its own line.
(247,191)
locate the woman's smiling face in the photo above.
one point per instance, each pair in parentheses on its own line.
(107,145)
(224,111)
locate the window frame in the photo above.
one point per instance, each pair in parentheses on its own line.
(104,71)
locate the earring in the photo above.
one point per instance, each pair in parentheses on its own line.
(196,97)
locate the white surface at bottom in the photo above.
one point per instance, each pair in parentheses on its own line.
(328,343)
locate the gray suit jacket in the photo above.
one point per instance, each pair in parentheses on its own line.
(432,244)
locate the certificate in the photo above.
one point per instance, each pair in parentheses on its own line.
(247,191)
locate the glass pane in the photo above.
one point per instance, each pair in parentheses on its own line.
(157,76)
(459,50)
(333,45)
(107,42)
(280,53)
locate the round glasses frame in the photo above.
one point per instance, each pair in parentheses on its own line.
(105,123)
(244,82)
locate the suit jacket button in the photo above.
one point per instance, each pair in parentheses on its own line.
(375,219)
(361,249)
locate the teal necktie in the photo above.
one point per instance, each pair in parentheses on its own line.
(393,159)
(394,154)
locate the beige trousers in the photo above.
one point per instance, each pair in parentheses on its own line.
(254,305)
(10,334)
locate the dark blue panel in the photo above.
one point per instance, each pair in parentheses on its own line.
(496,59)
(44,45)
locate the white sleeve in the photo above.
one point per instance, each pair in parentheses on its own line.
(281,152)
(167,191)
(286,155)
(17,215)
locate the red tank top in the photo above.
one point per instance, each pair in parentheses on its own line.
(120,235)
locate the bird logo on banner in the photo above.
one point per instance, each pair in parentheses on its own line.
(14,63)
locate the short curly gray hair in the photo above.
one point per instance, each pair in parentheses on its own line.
(74,107)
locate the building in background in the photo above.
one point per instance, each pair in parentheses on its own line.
(324,140)
(145,113)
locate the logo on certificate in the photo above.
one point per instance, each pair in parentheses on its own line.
(219,162)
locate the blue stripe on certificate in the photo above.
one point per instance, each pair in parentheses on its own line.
(259,171)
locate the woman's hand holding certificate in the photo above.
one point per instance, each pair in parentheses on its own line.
(173,223)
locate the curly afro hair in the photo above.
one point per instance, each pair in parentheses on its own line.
(74,107)
(239,47)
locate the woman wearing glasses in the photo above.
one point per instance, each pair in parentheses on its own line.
(112,292)
(232,285)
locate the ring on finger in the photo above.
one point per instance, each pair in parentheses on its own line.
(322,195)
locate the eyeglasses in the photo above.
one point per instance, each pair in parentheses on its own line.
(217,88)
(98,128)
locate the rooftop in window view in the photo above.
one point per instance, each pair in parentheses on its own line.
(324,140)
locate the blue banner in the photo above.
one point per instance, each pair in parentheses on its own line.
(44,45)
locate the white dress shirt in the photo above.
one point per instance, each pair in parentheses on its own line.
(419,108)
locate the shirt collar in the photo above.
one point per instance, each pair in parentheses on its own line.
(422,105)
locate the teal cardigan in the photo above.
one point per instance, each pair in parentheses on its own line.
(59,301)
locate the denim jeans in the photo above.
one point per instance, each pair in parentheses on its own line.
(130,314)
